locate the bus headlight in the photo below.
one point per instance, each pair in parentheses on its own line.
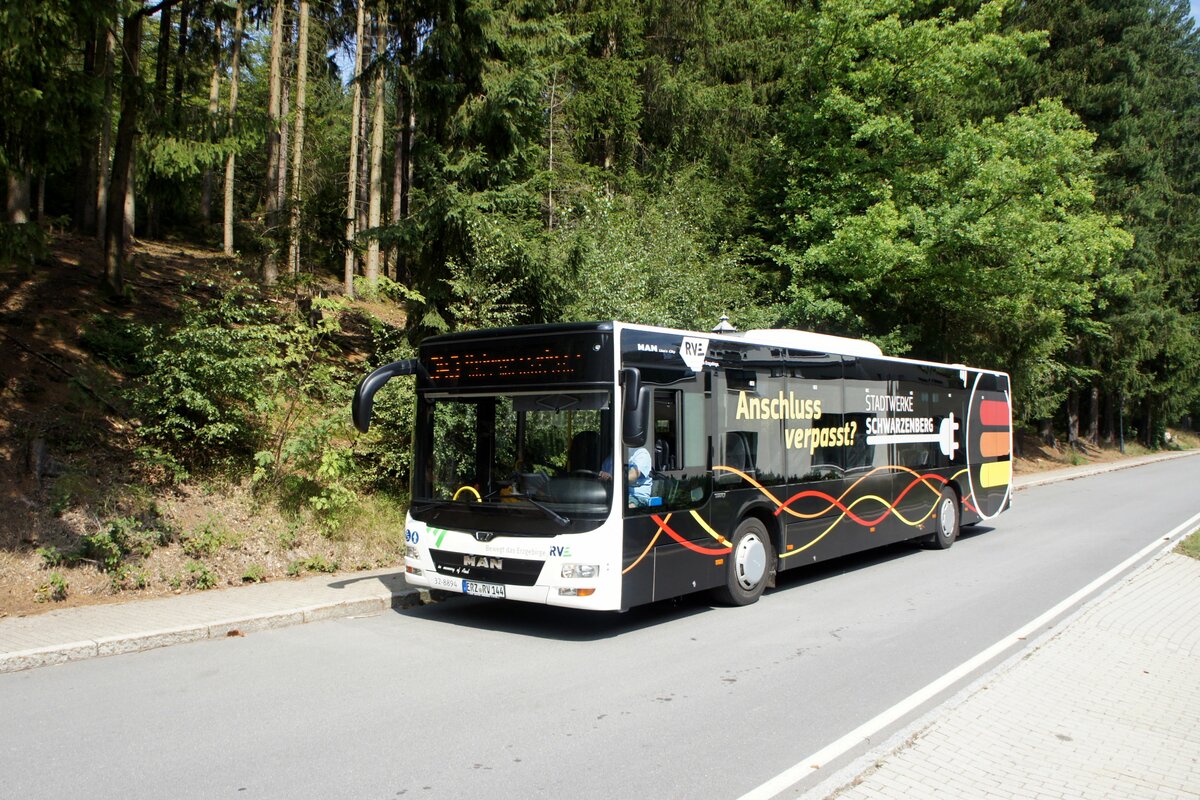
(580,570)
(411,551)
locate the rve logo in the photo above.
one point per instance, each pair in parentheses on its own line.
(411,536)
(560,551)
(693,350)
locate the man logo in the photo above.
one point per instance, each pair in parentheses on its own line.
(485,562)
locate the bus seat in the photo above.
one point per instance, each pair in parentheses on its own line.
(662,455)
(584,451)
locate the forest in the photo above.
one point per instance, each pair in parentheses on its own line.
(1012,185)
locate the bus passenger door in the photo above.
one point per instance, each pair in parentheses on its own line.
(682,482)
(815,524)
(872,481)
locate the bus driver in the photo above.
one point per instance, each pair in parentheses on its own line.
(637,476)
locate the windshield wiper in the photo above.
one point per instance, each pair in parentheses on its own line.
(549,512)
(438,506)
(423,507)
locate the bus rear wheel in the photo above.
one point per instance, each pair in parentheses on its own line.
(749,565)
(947,521)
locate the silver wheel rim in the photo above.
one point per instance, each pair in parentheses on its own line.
(946,518)
(750,561)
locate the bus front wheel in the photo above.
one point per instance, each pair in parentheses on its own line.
(947,521)
(748,566)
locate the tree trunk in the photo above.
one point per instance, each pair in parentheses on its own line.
(283,153)
(285,130)
(406,123)
(120,190)
(129,223)
(162,62)
(1073,418)
(392,261)
(374,213)
(298,144)
(181,60)
(85,179)
(214,106)
(352,177)
(103,167)
(364,150)
(231,157)
(162,72)
(1093,426)
(1046,432)
(270,267)
(17,202)
(550,148)
(1110,419)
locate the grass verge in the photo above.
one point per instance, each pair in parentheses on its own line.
(1190,546)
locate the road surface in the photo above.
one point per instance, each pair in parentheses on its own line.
(474,698)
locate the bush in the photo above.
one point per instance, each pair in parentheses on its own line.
(209,381)
(207,540)
(55,588)
(22,244)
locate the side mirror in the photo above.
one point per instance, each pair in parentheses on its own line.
(637,408)
(364,395)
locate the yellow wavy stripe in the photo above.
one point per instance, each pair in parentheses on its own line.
(822,535)
(654,539)
(779,504)
(703,524)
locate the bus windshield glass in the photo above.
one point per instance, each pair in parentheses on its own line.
(532,456)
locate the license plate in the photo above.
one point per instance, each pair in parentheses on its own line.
(483,589)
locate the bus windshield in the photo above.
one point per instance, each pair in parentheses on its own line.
(536,456)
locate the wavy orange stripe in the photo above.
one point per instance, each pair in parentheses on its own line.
(708,551)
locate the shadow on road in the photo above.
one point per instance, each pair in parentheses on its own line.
(550,622)
(844,565)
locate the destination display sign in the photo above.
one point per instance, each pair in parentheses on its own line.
(573,358)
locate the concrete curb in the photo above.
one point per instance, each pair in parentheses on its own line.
(237,625)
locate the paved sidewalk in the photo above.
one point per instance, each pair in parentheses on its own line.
(1109,707)
(75,633)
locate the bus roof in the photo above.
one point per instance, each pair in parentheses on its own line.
(788,338)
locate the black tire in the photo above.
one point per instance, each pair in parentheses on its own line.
(749,565)
(947,521)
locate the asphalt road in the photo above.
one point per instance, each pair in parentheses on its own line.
(473,698)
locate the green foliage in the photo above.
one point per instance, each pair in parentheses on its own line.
(1190,546)
(315,563)
(254,574)
(54,589)
(653,262)
(51,557)
(207,540)
(200,576)
(39,80)
(208,381)
(22,245)
(119,342)
(119,540)
(1006,184)
(387,289)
